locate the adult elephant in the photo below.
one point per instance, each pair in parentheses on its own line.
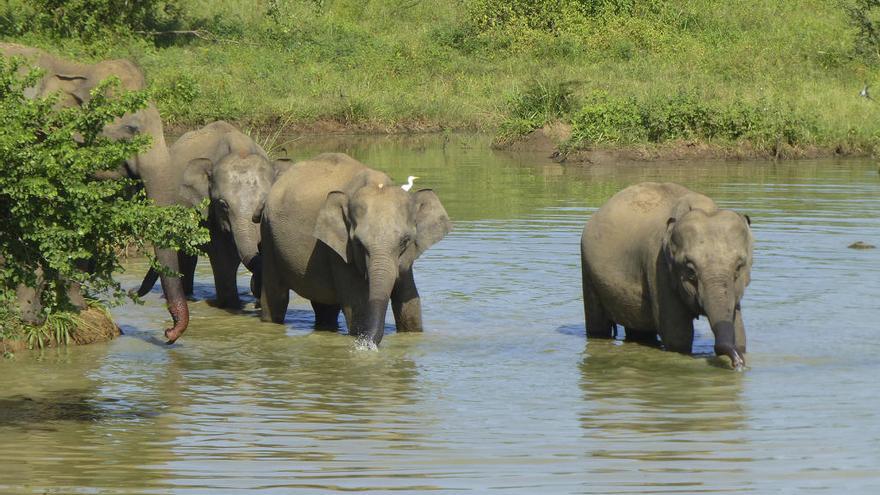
(343,236)
(655,257)
(74,81)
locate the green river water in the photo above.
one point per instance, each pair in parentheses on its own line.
(502,393)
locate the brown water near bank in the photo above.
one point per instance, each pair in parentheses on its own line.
(502,392)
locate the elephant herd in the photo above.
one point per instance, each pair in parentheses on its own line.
(343,236)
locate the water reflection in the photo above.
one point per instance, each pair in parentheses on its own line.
(663,413)
(639,389)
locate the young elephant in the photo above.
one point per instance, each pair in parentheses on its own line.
(240,184)
(655,257)
(343,236)
(237,186)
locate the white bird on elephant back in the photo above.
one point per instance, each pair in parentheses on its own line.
(406,187)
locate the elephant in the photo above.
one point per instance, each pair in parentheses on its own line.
(656,256)
(223,164)
(153,167)
(344,237)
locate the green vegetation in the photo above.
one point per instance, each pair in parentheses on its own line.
(755,71)
(56,217)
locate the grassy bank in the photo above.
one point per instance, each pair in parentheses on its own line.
(771,74)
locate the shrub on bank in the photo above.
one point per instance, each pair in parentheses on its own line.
(605,119)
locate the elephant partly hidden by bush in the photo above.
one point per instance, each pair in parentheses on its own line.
(74,82)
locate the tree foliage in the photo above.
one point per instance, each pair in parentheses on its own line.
(56,216)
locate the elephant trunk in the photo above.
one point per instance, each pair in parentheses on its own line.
(160,182)
(174,295)
(718,300)
(247,242)
(382,273)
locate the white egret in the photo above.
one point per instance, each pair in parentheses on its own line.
(409,184)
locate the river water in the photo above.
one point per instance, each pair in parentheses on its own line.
(502,392)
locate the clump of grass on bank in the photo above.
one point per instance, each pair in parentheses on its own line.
(93,324)
(474,64)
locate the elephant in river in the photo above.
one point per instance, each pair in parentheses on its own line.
(223,164)
(655,257)
(74,81)
(344,237)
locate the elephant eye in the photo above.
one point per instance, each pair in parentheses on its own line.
(690,273)
(739,268)
(404,243)
(223,204)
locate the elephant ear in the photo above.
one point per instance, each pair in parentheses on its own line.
(332,225)
(667,247)
(281,165)
(75,85)
(196,181)
(432,224)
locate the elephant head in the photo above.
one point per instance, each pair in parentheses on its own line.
(236,186)
(709,255)
(380,230)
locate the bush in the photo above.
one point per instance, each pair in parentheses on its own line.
(56,216)
(543,101)
(607,119)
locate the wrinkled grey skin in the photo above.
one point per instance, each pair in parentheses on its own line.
(73,81)
(655,257)
(344,237)
(223,164)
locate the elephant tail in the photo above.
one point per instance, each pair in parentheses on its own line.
(148,283)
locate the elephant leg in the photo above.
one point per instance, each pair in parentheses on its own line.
(274,295)
(352,316)
(188,270)
(326,316)
(677,332)
(739,330)
(406,304)
(224,264)
(355,314)
(599,325)
(352,292)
